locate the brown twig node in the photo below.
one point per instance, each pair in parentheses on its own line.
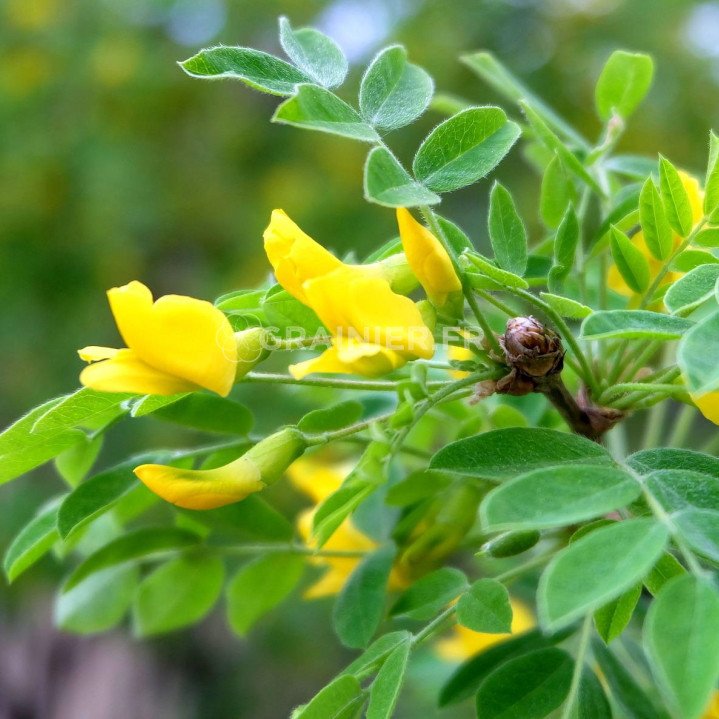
(535,357)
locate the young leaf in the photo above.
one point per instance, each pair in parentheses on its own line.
(506,231)
(697,355)
(612,619)
(634,324)
(258,587)
(711,184)
(334,700)
(566,242)
(430,593)
(708,237)
(255,68)
(485,267)
(385,689)
(657,232)
(689,259)
(623,83)
(359,607)
(556,194)
(148,542)
(32,542)
(314,108)
(464,148)
(394,92)
(387,183)
(485,608)
(528,687)
(377,652)
(631,263)
(692,290)
(675,198)
(315,54)
(596,569)
(178,593)
(557,496)
(505,453)
(77,460)
(566,307)
(680,639)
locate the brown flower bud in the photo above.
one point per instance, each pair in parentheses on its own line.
(531,348)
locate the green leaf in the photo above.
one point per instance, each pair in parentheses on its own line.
(550,140)
(677,489)
(689,259)
(557,496)
(208,413)
(485,267)
(259,586)
(331,418)
(255,68)
(468,677)
(417,486)
(464,148)
(680,639)
(711,184)
(566,242)
(337,507)
(697,355)
(285,312)
(430,593)
(592,702)
(509,544)
(385,689)
(630,697)
(394,92)
(315,54)
(612,619)
(179,593)
(634,324)
(377,652)
(700,530)
(528,687)
(76,461)
(332,702)
(32,542)
(666,568)
(148,542)
(84,408)
(657,232)
(314,108)
(359,607)
(631,263)
(505,453)
(566,307)
(675,198)
(485,608)
(557,193)
(708,237)
(21,449)
(596,569)
(98,603)
(387,183)
(692,290)
(506,231)
(647,460)
(623,83)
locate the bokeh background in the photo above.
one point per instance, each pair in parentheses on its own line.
(116,166)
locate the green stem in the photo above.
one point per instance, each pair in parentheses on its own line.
(582,648)
(655,425)
(369,385)
(642,358)
(671,390)
(682,426)
(501,306)
(252,549)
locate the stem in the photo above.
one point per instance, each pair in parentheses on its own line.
(642,358)
(682,426)
(372,386)
(557,393)
(501,306)
(251,549)
(655,425)
(671,390)
(578,667)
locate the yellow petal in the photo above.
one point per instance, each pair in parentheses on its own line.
(203,489)
(294,255)
(318,478)
(350,357)
(708,405)
(695,194)
(94,354)
(712,711)
(356,306)
(126,372)
(427,258)
(181,336)
(464,643)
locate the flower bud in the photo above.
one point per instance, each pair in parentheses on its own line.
(252,348)
(531,348)
(259,467)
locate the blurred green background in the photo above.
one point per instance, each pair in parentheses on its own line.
(116,166)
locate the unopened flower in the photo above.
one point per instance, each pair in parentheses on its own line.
(429,260)
(259,467)
(532,348)
(175,344)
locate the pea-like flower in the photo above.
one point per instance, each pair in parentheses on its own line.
(429,260)
(708,405)
(175,344)
(259,467)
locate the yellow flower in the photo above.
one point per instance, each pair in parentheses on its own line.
(375,330)
(464,643)
(428,259)
(211,488)
(712,711)
(460,354)
(696,200)
(708,405)
(176,344)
